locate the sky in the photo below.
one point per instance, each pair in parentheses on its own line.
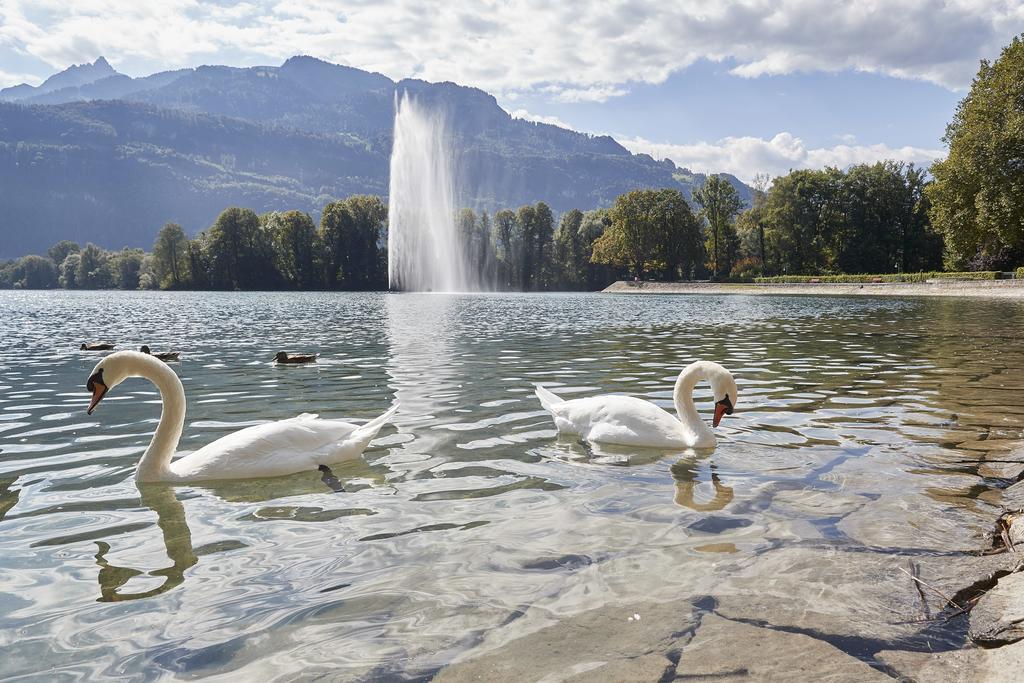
(741,86)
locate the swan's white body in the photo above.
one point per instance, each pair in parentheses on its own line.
(268,450)
(629,421)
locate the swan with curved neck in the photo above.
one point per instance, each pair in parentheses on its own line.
(630,421)
(268,450)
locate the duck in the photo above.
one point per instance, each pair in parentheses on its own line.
(631,421)
(96,346)
(295,358)
(267,450)
(165,356)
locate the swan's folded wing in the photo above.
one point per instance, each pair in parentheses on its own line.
(612,433)
(267,450)
(628,421)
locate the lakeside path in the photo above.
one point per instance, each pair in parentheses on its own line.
(1002,289)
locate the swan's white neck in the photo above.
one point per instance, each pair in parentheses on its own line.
(682,396)
(156,461)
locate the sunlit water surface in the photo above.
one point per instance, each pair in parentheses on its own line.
(861,425)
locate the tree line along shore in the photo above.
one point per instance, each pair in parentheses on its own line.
(893,220)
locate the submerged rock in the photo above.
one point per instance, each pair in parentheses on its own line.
(1013,497)
(848,594)
(956,666)
(728,651)
(604,644)
(999,615)
(1001,469)
(910,521)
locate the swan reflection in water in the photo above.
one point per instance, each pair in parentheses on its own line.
(686,474)
(686,471)
(177,537)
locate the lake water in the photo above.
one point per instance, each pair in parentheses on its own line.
(868,437)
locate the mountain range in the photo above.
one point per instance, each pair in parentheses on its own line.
(94,155)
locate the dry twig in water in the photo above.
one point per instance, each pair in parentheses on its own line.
(949,600)
(915,572)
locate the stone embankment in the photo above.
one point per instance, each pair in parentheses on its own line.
(1008,289)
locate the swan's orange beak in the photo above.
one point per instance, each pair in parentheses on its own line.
(98,389)
(723,407)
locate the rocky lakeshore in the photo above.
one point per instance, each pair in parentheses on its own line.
(922,615)
(1008,289)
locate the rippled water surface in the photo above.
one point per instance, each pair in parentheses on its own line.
(866,428)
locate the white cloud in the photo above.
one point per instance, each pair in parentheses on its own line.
(592,93)
(573,50)
(8,79)
(539,118)
(745,157)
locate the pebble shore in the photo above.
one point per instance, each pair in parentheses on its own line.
(1004,289)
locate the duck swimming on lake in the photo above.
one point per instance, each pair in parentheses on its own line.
(96,346)
(630,421)
(273,449)
(165,356)
(295,358)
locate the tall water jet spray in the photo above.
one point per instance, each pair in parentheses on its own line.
(424,249)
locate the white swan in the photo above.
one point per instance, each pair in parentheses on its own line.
(630,421)
(268,450)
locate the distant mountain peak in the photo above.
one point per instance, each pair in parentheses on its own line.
(82,73)
(74,76)
(305,59)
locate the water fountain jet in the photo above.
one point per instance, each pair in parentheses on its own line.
(424,249)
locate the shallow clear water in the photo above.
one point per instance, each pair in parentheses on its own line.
(863,429)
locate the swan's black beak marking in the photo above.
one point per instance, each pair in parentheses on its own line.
(98,388)
(723,407)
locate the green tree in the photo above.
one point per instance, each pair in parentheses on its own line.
(568,253)
(505,231)
(60,251)
(68,271)
(872,218)
(485,255)
(681,250)
(531,240)
(522,244)
(750,227)
(170,257)
(594,224)
(469,238)
(884,225)
(719,203)
(147,273)
(29,272)
(352,238)
(199,264)
(293,235)
(240,252)
(92,272)
(799,223)
(651,231)
(125,268)
(977,197)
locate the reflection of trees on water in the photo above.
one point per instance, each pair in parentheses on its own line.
(8,498)
(177,538)
(685,472)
